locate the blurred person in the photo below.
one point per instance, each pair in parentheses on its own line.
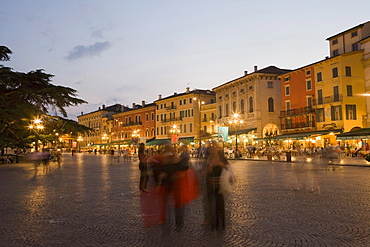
(143,168)
(59,157)
(215,201)
(126,154)
(174,179)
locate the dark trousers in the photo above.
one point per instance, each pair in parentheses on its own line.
(143,179)
(216,207)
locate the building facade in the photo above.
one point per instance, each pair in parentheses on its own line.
(134,125)
(98,121)
(256,99)
(178,117)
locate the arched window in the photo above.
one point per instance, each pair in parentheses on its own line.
(251,104)
(234,107)
(227,110)
(270,105)
(242,106)
(220,112)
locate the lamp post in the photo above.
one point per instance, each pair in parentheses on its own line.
(79,140)
(175,131)
(135,138)
(236,122)
(200,103)
(36,126)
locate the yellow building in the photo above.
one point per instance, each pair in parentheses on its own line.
(179,115)
(256,99)
(339,84)
(365,45)
(100,122)
(209,121)
(348,40)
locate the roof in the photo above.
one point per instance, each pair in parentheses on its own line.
(268,70)
(195,91)
(350,29)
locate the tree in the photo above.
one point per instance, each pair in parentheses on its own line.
(25,96)
(5,53)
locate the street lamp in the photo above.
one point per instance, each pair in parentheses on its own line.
(36,126)
(79,139)
(200,103)
(175,131)
(236,122)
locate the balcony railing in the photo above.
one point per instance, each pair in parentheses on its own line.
(177,119)
(208,119)
(330,99)
(298,125)
(297,111)
(172,107)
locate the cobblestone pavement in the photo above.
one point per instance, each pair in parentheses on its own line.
(89,202)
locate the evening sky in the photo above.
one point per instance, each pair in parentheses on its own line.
(120,51)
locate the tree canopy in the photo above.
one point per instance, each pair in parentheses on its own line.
(26,96)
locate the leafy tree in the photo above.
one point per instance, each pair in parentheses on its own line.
(25,96)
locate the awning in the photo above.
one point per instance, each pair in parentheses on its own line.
(122,142)
(240,132)
(303,135)
(186,139)
(158,142)
(352,135)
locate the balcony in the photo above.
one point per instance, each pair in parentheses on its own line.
(177,119)
(204,120)
(170,108)
(298,125)
(330,99)
(297,111)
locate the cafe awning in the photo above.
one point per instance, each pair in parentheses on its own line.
(121,142)
(240,132)
(158,142)
(353,135)
(304,135)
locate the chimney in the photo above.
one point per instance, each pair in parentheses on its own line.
(326,57)
(174,93)
(160,96)
(82,113)
(143,103)
(103,106)
(255,68)
(99,108)
(188,90)
(133,105)
(245,72)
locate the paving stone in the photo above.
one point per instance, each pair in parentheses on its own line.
(87,201)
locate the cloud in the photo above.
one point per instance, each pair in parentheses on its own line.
(97,34)
(81,51)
